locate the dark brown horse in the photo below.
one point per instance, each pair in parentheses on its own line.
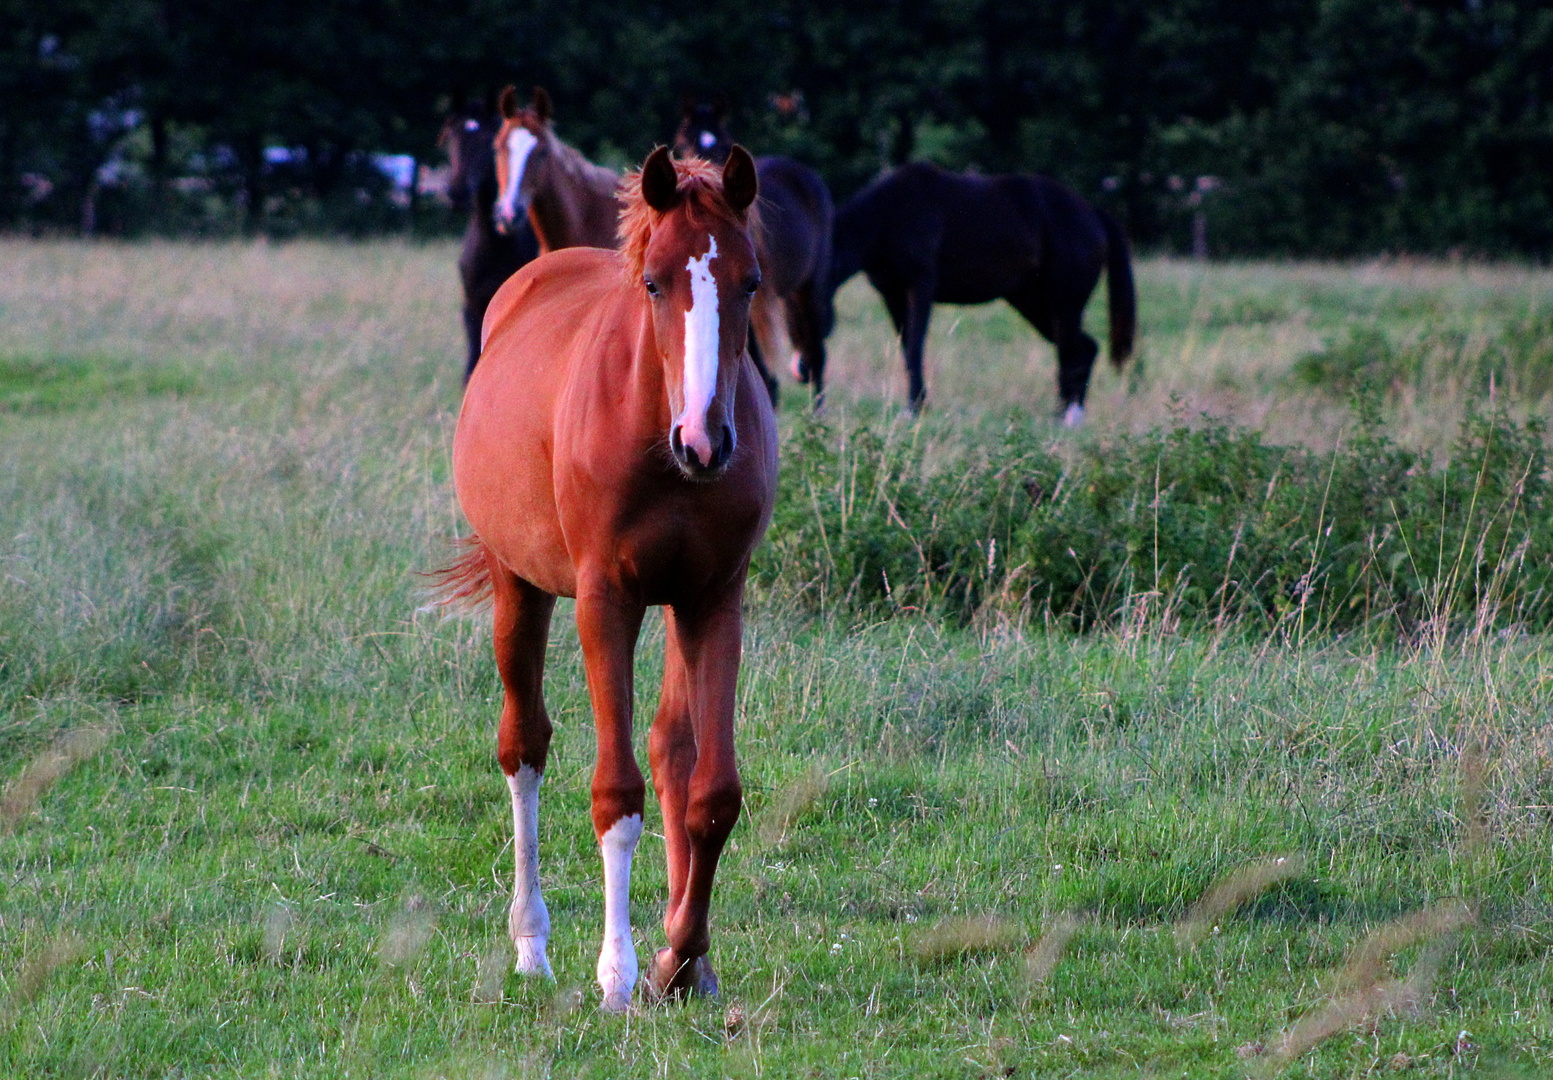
(487,257)
(793,246)
(925,235)
(615,445)
(569,200)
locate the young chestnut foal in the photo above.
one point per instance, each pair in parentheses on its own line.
(617,446)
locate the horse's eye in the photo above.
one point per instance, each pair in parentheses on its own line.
(652,286)
(752,286)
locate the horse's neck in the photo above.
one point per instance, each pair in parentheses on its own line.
(851,241)
(578,206)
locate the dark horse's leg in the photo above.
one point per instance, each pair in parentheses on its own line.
(699,781)
(472,321)
(803,326)
(522,628)
(772,386)
(919,309)
(1057,315)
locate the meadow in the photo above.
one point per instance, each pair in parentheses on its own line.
(252,824)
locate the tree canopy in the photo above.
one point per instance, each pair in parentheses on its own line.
(1318,127)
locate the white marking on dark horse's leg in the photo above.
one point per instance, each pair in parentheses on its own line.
(528,922)
(617,959)
(1074,416)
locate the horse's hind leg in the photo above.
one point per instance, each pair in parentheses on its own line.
(522,627)
(1076,352)
(702,780)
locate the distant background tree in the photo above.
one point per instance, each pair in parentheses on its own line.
(1290,127)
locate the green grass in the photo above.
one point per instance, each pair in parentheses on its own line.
(290,853)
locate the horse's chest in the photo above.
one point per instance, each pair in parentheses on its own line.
(660,544)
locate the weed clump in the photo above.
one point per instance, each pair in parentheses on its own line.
(1205,524)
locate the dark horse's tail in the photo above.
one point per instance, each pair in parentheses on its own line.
(1119,289)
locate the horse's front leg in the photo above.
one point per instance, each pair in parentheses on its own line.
(608,625)
(708,800)
(522,626)
(919,310)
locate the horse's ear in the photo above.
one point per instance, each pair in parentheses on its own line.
(660,183)
(720,107)
(507,104)
(740,185)
(541,105)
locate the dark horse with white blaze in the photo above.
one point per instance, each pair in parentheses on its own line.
(488,257)
(793,245)
(925,235)
(615,445)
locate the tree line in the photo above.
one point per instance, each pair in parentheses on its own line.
(1287,127)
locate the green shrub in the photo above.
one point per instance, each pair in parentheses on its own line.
(1204,523)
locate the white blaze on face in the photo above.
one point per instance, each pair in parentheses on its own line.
(701,343)
(528,922)
(617,959)
(520,143)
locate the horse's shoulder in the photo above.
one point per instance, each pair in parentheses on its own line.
(570,278)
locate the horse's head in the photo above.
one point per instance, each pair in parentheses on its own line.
(466,136)
(703,130)
(524,146)
(685,234)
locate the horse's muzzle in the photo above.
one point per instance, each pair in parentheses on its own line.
(718,453)
(502,222)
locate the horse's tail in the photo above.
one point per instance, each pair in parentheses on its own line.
(466,581)
(1121,293)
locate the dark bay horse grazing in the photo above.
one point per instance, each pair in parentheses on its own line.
(570,201)
(615,445)
(793,247)
(925,235)
(487,257)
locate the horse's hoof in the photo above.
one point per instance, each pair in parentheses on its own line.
(800,369)
(675,979)
(531,959)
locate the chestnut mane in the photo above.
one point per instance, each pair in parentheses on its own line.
(700,183)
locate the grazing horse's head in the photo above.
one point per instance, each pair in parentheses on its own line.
(685,236)
(703,130)
(466,135)
(524,146)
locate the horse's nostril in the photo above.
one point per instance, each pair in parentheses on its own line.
(724,449)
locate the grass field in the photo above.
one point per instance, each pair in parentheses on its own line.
(252,824)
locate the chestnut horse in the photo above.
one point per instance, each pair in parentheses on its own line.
(793,246)
(570,201)
(615,445)
(487,257)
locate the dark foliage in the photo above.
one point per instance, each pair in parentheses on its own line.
(1294,126)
